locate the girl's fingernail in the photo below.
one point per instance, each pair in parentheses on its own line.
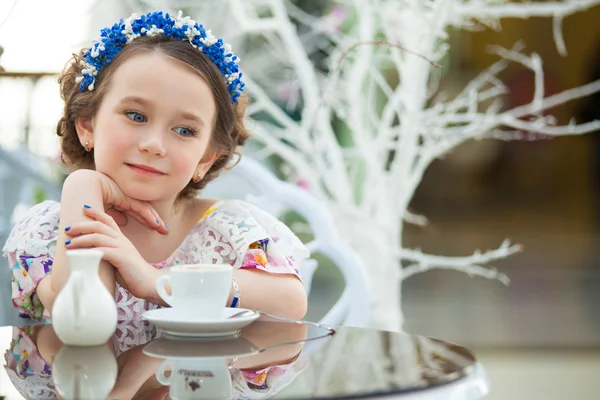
(86,206)
(67,228)
(166,226)
(158,222)
(68,242)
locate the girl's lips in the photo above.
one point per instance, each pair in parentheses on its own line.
(144,170)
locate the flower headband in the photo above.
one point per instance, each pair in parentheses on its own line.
(112,40)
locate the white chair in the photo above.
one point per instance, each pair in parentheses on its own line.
(253,182)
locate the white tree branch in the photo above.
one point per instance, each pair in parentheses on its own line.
(558,35)
(558,99)
(496,10)
(471,270)
(470,264)
(415,219)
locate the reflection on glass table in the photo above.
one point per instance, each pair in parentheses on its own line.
(267,360)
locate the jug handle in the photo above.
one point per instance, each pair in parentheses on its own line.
(78,313)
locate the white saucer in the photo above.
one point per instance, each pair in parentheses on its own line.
(176,349)
(172,322)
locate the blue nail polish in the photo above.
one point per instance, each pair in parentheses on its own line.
(158,222)
(86,206)
(68,242)
(67,228)
(166,226)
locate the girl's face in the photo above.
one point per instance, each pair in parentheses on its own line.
(152,130)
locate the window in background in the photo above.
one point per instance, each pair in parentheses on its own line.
(37,36)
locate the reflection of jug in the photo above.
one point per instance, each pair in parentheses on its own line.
(84,372)
(196,378)
(84,313)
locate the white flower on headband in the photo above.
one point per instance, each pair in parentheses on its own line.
(209,40)
(152,31)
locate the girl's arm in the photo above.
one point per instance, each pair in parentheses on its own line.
(82,187)
(265,336)
(95,190)
(282,295)
(278,294)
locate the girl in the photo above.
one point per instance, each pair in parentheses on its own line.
(152,114)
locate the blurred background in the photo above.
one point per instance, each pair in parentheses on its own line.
(538,337)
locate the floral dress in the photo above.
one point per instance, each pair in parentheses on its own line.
(231,232)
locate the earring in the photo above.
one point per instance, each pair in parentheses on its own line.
(196,178)
(86,146)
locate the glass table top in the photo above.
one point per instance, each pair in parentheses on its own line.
(267,360)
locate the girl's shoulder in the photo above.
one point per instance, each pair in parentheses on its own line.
(241,225)
(36,229)
(245,215)
(238,218)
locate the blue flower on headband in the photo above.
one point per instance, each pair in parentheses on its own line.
(112,40)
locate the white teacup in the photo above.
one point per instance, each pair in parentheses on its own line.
(201,378)
(198,290)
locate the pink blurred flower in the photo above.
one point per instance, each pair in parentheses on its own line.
(303,183)
(284,91)
(332,23)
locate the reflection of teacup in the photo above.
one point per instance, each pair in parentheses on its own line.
(198,290)
(199,368)
(200,378)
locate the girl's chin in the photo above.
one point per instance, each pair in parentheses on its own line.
(146,194)
(146,191)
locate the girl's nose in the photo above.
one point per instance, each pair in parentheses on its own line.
(152,141)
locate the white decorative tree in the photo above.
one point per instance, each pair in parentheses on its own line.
(361,143)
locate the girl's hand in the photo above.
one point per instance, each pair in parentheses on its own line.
(120,207)
(103,233)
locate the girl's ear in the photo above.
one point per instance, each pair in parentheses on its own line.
(85,130)
(206,162)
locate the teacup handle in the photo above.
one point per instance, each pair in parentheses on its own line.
(160,373)
(160,289)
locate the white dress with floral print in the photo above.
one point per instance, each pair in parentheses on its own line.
(232,232)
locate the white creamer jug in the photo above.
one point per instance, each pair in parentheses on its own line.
(84,312)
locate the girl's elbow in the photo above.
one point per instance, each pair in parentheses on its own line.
(299,303)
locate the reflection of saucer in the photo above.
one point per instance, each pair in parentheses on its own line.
(172,322)
(176,349)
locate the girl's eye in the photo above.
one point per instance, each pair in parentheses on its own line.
(185,131)
(135,116)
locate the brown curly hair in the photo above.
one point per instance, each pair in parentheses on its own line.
(228,132)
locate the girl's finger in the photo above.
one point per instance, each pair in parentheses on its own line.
(119,217)
(145,221)
(110,254)
(101,216)
(142,220)
(92,240)
(144,214)
(87,227)
(153,219)
(131,208)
